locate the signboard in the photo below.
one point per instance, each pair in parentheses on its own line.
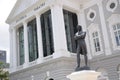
(39,6)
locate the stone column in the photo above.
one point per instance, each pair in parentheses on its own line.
(81,21)
(60,44)
(26,52)
(11,50)
(104,29)
(14,50)
(39,37)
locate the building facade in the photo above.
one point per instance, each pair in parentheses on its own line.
(41,38)
(3,56)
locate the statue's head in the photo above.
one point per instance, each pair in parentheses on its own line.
(79,27)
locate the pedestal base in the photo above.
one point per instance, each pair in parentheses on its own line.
(82,68)
(84,75)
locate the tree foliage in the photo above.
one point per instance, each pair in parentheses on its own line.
(3,72)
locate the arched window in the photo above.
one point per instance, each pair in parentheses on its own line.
(95,39)
(114,25)
(104,74)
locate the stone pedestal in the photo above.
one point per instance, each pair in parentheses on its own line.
(84,75)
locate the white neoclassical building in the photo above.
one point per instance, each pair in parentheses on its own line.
(42,46)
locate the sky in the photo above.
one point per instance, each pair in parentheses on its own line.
(5,9)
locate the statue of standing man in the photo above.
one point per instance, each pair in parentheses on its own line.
(81,48)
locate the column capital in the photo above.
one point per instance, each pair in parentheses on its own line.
(80,12)
(56,3)
(81,9)
(24,22)
(10,29)
(12,26)
(37,15)
(14,30)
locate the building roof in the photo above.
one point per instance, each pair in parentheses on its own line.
(19,7)
(22,5)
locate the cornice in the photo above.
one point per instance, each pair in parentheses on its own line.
(11,18)
(46,63)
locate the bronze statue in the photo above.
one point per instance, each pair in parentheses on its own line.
(81,48)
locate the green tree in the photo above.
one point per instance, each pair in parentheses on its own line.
(3,72)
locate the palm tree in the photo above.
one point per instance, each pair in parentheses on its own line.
(3,72)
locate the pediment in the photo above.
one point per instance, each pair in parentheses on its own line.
(20,6)
(23,4)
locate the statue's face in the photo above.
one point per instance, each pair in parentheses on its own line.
(79,28)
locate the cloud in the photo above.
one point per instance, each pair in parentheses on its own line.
(5,8)
(4,39)
(4,36)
